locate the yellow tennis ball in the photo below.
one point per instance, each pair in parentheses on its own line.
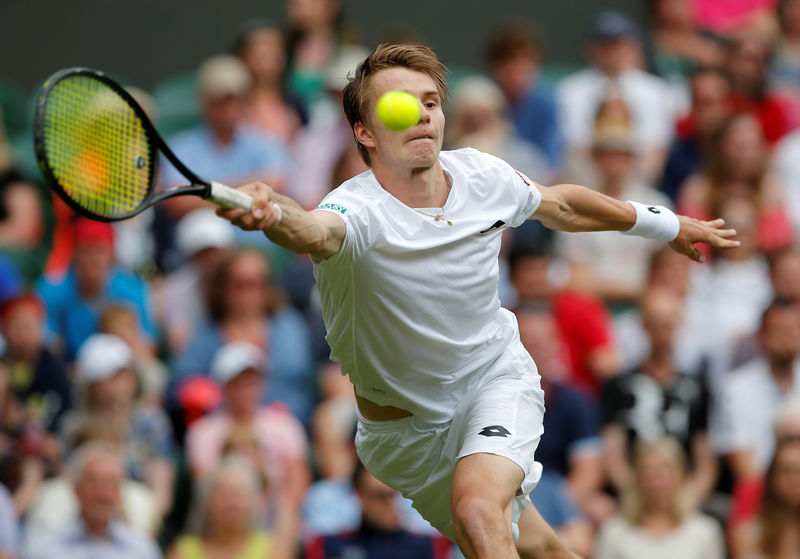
(398,110)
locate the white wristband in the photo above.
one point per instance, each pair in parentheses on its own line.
(654,222)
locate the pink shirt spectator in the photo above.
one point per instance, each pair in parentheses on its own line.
(281,440)
(727,16)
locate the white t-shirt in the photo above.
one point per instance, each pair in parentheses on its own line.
(647,98)
(410,304)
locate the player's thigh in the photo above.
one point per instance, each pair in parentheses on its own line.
(537,539)
(490,478)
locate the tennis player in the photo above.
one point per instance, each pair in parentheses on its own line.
(406,261)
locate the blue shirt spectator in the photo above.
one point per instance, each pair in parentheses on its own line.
(9,526)
(514,57)
(93,282)
(72,542)
(289,360)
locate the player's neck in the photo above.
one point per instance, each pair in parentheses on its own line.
(416,188)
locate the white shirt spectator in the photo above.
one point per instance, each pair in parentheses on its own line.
(787,165)
(697,537)
(744,407)
(56,505)
(648,98)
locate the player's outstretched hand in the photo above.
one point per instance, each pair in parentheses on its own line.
(264,214)
(695,231)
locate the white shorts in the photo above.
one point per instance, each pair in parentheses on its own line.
(501,414)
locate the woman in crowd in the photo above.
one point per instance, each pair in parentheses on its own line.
(226,517)
(775,532)
(658,518)
(739,168)
(242,306)
(262,47)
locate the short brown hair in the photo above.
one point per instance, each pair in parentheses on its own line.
(414,57)
(511,40)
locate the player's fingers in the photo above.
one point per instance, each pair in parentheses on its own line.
(715,223)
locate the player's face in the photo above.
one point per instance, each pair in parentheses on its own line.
(415,148)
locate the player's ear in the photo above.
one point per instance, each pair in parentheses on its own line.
(363,135)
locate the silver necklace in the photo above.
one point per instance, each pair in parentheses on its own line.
(436,217)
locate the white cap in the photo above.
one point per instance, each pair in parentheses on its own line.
(235,358)
(222,75)
(343,66)
(101,356)
(201,229)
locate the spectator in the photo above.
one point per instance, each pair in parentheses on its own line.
(380,535)
(738,167)
(732,19)
(280,441)
(784,67)
(784,273)
(223,147)
(93,282)
(120,321)
(787,166)
(747,66)
(316,31)
(514,55)
(333,424)
(21,219)
(242,306)
(56,505)
(9,525)
(679,47)
(225,517)
(583,321)
(772,533)
(604,264)
(38,377)
(727,298)
(477,117)
(616,58)
(696,132)
(270,106)
(109,387)
(98,531)
(570,450)
(658,519)
(327,136)
(657,399)
(203,241)
(745,403)
(22,464)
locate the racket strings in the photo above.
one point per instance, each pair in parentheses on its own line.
(96,147)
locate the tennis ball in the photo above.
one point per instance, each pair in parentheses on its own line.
(398,110)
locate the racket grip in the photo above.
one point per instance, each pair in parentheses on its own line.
(229,198)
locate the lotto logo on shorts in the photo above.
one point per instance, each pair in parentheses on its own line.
(330,206)
(495,431)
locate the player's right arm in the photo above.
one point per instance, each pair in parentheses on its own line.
(317,233)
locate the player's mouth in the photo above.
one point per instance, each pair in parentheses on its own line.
(421,137)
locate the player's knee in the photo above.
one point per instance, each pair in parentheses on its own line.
(474,513)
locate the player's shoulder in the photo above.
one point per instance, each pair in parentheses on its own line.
(471,160)
(352,196)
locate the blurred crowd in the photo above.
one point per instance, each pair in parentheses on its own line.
(165,388)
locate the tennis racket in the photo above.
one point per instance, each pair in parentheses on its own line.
(99,152)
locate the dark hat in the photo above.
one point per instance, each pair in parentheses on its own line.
(613,25)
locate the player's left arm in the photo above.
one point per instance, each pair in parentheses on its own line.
(574,208)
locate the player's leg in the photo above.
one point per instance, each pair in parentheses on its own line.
(537,540)
(484,486)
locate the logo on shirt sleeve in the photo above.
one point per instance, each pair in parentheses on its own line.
(333,207)
(525,179)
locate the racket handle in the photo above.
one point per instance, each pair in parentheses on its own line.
(229,198)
